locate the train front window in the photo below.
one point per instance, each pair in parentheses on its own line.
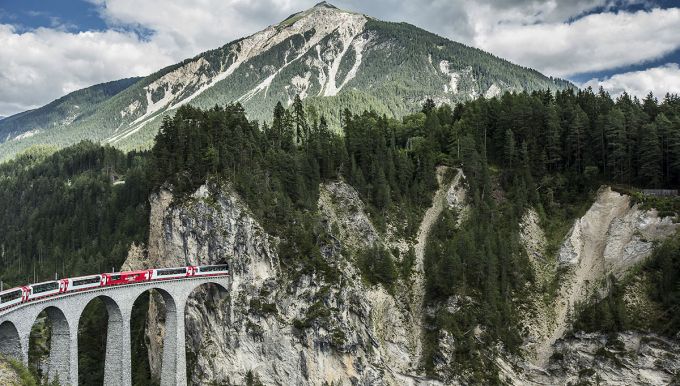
(86,281)
(45,287)
(8,297)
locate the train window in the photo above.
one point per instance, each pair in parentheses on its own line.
(86,281)
(213,268)
(40,288)
(8,297)
(171,271)
(115,277)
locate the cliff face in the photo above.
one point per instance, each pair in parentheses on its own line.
(283,330)
(302,330)
(611,237)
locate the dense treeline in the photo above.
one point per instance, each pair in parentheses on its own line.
(278,168)
(583,135)
(64,213)
(71,212)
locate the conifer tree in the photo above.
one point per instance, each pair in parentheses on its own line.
(553,148)
(615,134)
(650,156)
(300,121)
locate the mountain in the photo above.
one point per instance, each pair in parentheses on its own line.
(332,58)
(62,112)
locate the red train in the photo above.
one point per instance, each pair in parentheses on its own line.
(19,295)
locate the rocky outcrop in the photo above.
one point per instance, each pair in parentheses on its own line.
(282,329)
(8,375)
(303,330)
(611,237)
(343,210)
(591,359)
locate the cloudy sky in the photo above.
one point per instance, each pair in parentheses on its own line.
(49,48)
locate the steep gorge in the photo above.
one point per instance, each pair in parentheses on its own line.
(365,333)
(304,330)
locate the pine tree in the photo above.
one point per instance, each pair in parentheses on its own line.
(288,137)
(553,145)
(650,156)
(674,151)
(664,128)
(428,106)
(510,149)
(576,138)
(650,106)
(301,127)
(278,125)
(615,135)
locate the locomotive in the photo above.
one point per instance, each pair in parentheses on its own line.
(27,293)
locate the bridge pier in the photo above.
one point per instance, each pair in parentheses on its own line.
(173,367)
(63,362)
(24,338)
(118,362)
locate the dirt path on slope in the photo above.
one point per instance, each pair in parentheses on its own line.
(418,289)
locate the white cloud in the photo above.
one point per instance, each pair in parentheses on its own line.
(593,43)
(188,27)
(659,80)
(41,65)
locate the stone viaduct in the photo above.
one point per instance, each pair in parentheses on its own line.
(65,310)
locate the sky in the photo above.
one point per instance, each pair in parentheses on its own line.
(49,48)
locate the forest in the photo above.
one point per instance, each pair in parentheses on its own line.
(78,210)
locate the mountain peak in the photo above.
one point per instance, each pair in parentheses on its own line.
(323,51)
(324,4)
(323,8)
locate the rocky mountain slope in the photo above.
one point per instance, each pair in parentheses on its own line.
(285,330)
(330,57)
(610,238)
(64,111)
(306,331)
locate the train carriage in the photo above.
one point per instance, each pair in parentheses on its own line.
(41,290)
(211,270)
(171,273)
(11,297)
(130,277)
(82,283)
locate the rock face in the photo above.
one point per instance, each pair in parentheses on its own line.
(266,324)
(618,359)
(625,359)
(302,330)
(8,376)
(611,237)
